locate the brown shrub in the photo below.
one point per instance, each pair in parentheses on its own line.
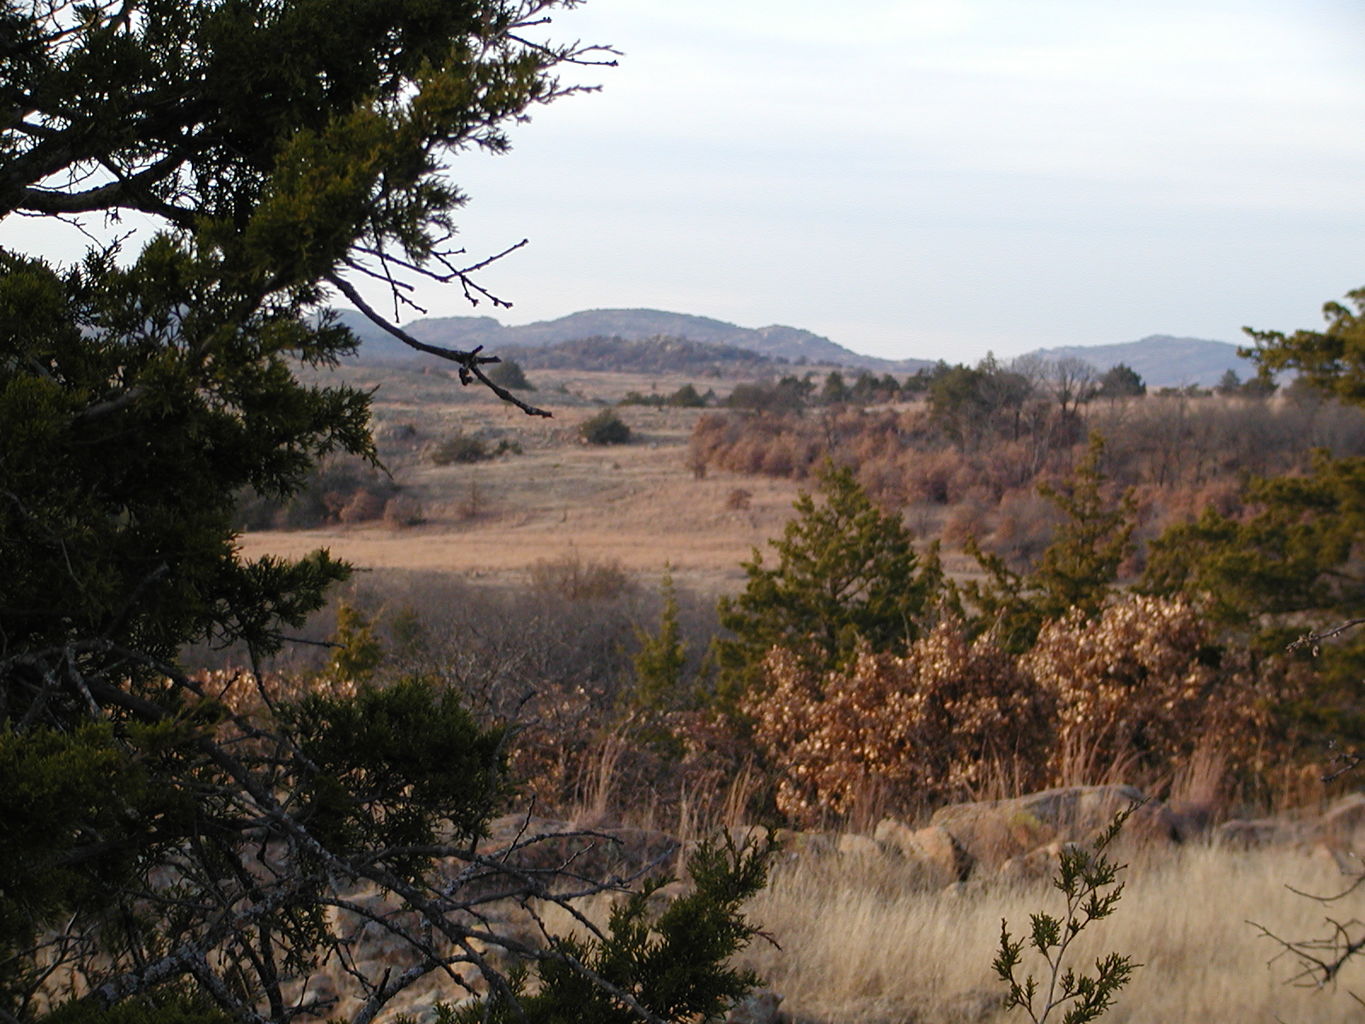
(572,577)
(403,511)
(1006,467)
(929,475)
(1023,528)
(1137,689)
(243,693)
(965,519)
(900,733)
(363,506)
(461,448)
(739,499)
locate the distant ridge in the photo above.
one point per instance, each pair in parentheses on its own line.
(776,341)
(591,338)
(1162,361)
(647,355)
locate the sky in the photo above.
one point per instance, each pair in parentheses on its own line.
(938,179)
(942,179)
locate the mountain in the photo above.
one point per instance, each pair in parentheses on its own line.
(1161,360)
(659,339)
(776,342)
(647,355)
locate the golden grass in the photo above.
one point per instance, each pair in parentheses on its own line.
(636,504)
(859,944)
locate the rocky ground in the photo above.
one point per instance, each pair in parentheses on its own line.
(963,848)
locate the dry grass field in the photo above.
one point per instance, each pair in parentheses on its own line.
(637,504)
(856,941)
(858,947)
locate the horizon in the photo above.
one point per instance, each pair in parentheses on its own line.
(502,322)
(962,177)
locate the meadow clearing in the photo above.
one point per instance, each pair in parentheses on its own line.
(636,504)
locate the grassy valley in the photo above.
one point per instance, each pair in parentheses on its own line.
(550,495)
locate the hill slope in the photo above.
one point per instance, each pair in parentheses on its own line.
(648,355)
(1161,360)
(776,342)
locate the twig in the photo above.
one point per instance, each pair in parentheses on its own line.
(1314,639)
(470,362)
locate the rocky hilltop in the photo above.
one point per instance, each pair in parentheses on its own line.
(1163,361)
(775,342)
(651,339)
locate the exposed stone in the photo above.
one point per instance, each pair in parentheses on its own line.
(941,857)
(793,845)
(1039,863)
(545,845)
(759,1007)
(853,845)
(1342,826)
(993,832)
(1244,834)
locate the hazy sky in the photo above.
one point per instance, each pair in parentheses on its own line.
(939,179)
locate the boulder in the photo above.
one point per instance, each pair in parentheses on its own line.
(853,845)
(995,831)
(1040,863)
(1342,826)
(1244,834)
(758,1007)
(544,845)
(942,858)
(791,843)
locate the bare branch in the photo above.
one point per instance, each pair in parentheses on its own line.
(1314,639)
(469,362)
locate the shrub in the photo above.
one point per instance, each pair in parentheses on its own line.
(686,397)
(1139,688)
(604,428)
(362,507)
(900,732)
(403,511)
(571,577)
(1088,882)
(636,398)
(674,962)
(461,448)
(334,488)
(846,574)
(508,374)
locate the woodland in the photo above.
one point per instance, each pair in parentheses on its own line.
(209,844)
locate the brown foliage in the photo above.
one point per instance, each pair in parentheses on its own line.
(739,499)
(1179,453)
(243,693)
(906,732)
(403,511)
(1142,686)
(362,506)
(1133,694)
